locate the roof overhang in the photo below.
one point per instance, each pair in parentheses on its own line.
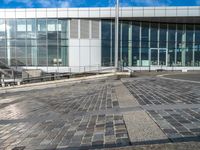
(190,14)
(186,20)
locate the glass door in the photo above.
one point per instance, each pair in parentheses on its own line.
(162,57)
(153,57)
(158,56)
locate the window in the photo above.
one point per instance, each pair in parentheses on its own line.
(41,25)
(163,35)
(135,43)
(106,42)
(145,44)
(154,35)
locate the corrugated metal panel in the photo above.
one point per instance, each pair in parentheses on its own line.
(84,29)
(95,29)
(74,28)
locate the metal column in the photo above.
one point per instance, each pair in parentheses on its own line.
(130,45)
(116,33)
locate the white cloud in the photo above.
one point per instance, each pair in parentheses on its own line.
(28,3)
(63,4)
(111,2)
(151,2)
(54,3)
(42,3)
(45,3)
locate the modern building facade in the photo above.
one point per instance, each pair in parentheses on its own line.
(83,39)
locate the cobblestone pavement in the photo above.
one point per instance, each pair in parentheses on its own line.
(92,114)
(174,105)
(190,76)
(62,118)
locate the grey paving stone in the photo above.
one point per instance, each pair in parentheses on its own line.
(98,137)
(76,115)
(176,120)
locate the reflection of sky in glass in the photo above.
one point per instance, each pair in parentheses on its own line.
(2,27)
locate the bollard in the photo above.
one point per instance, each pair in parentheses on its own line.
(18,83)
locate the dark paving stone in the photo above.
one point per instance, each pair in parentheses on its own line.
(178,122)
(65,116)
(110,145)
(122,142)
(98,137)
(97,144)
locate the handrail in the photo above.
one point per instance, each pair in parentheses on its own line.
(46,76)
(99,70)
(56,75)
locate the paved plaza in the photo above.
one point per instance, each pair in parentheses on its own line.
(174,105)
(71,116)
(105,113)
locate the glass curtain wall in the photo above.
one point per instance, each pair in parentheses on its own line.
(42,42)
(108,42)
(10,42)
(171,44)
(3,53)
(31,43)
(182,42)
(189,45)
(197,46)
(144,44)
(62,42)
(135,44)
(34,42)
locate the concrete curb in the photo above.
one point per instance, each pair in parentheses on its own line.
(57,83)
(168,146)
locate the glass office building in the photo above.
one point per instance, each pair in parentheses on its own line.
(33,42)
(85,37)
(152,43)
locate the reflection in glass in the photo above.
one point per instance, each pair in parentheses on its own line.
(171,44)
(135,44)
(197,46)
(145,44)
(106,42)
(189,45)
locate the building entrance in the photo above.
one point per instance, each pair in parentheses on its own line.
(158,56)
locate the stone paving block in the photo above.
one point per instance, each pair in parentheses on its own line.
(122,142)
(98,137)
(125,99)
(97,144)
(86,140)
(138,131)
(98,113)
(166,92)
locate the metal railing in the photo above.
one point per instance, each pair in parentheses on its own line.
(69,72)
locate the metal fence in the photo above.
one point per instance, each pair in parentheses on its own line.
(18,77)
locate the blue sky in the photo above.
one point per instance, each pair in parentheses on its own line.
(92,3)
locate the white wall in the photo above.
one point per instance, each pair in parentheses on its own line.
(85,52)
